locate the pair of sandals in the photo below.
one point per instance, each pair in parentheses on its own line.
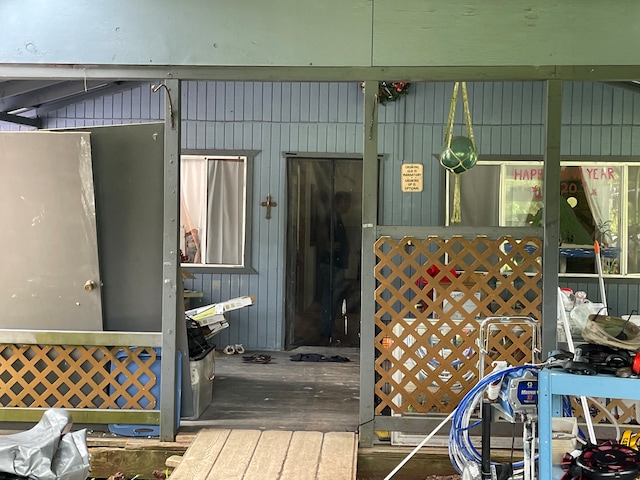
(231,349)
(257,358)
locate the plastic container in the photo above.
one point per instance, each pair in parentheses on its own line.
(564,431)
(202,371)
(581,297)
(134,430)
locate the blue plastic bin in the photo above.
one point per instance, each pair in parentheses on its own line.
(133,430)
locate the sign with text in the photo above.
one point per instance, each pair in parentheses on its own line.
(412,178)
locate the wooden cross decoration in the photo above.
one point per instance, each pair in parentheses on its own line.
(269,204)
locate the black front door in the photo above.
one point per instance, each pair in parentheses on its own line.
(323,251)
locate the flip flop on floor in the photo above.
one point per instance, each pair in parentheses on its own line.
(257,358)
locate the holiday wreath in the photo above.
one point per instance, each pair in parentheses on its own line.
(390,91)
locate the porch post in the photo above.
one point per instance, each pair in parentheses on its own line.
(369,228)
(170,260)
(551,216)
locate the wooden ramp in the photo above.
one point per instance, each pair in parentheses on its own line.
(269,455)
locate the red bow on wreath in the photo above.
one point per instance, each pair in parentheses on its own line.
(390,91)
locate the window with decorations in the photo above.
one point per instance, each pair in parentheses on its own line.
(599,201)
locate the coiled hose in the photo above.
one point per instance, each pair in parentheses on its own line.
(461,451)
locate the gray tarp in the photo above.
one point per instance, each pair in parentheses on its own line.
(48,451)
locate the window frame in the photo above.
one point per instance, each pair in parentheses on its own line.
(625,162)
(247,266)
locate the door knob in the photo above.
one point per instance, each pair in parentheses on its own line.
(89,285)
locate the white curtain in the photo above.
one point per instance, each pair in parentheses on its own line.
(599,185)
(193,211)
(226,205)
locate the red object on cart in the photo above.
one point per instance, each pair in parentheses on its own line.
(635,366)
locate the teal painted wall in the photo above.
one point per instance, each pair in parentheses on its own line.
(305,33)
(189,32)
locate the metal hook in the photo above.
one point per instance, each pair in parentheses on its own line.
(154,89)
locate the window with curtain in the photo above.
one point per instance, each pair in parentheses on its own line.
(214,205)
(598,201)
(633,219)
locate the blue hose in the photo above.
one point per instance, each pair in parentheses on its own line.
(461,450)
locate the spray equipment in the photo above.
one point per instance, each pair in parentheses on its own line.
(464,456)
(518,395)
(491,325)
(493,390)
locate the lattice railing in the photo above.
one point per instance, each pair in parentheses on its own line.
(47,376)
(431,296)
(623,411)
(40,370)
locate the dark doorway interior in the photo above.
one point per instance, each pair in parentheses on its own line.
(323,251)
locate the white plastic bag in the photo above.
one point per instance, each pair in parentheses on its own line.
(580,314)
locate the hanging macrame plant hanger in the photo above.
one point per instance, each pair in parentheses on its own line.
(460,153)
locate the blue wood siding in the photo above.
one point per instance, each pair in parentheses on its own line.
(623,295)
(600,119)
(273,118)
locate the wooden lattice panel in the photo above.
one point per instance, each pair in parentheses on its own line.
(47,376)
(431,297)
(624,411)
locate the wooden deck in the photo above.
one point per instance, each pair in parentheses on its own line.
(223,454)
(283,395)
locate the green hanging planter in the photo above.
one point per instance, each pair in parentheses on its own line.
(460,156)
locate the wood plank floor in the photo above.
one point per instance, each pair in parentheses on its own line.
(282,394)
(224,454)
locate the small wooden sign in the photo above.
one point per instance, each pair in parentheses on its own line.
(412,177)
